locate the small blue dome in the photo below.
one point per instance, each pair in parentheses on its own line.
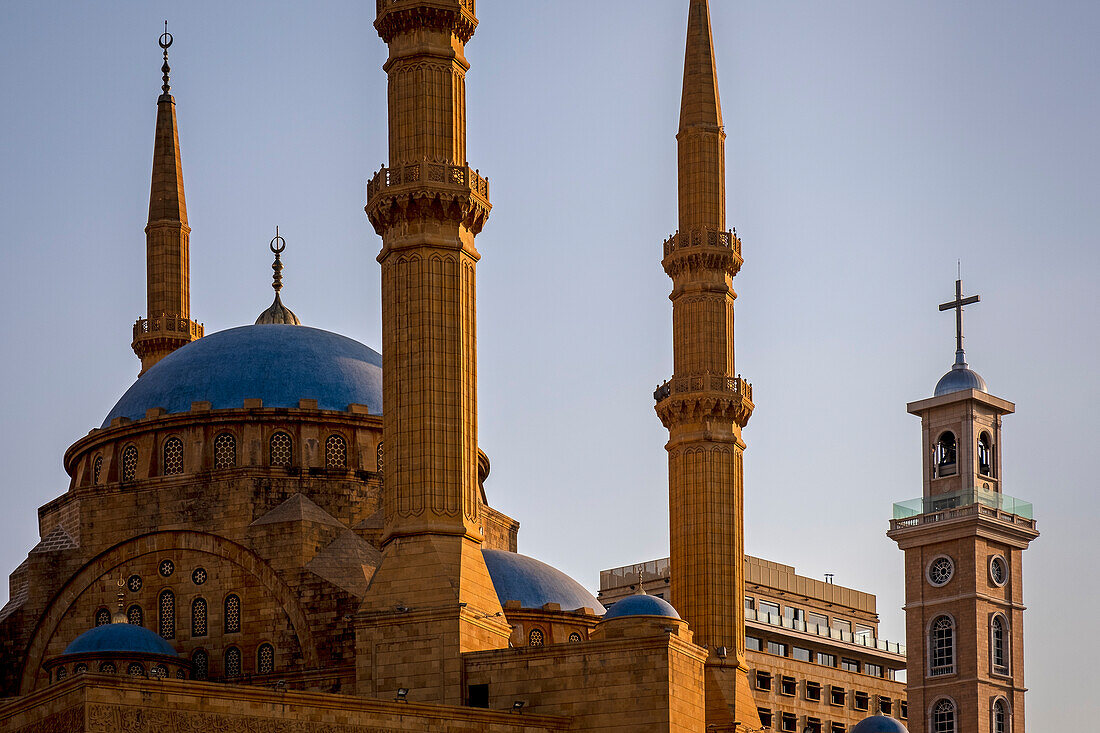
(114,638)
(878,724)
(641,605)
(280,364)
(533,583)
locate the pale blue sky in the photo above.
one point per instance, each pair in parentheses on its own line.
(871,145)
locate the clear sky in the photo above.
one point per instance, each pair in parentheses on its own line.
(871,145)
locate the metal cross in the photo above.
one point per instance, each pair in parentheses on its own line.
(957,304)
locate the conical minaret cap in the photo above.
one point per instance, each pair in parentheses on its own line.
(166,199)
(700,105)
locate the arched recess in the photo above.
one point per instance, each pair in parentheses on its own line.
(161,542)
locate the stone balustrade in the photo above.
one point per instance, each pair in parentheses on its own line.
(467,5)
(703,383)
(427,172)
(166,325)
(703,237)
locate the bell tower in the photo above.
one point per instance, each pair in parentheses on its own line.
(963,540)
(431,598)
(705,404)
(167,325)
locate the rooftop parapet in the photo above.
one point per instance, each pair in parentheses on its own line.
(968,502)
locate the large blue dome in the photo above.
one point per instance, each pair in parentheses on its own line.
(641,604)
(878,724)
(116,638)
(533,583)
(279,364)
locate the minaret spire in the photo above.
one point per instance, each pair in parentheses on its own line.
(701,138)
(168,324)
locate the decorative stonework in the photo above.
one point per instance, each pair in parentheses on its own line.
(404,16)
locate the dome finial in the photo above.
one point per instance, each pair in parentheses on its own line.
(278,313)
(957,305)
(165,42)
(119,616)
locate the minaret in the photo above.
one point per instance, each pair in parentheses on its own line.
(431,598)
(168,324)
(963,540)
(705,405)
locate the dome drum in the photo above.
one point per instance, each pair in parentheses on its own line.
(118,648)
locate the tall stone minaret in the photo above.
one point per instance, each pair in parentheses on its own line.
(705,405)
(168,324)
(431,598)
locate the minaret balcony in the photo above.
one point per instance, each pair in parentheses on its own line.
(716,395)
(973,502)
(397,189)
(702,248)
(164,326)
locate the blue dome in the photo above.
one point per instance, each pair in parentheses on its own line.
(641,605)
(520,578)
(114,638)
(280,364)
(878,724)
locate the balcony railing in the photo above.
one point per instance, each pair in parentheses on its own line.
(703,236)
(703,383)
(453,175)
(168,326)
(863,640)
(467,5)
(968,502)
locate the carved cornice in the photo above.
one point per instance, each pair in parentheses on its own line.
(702,249)
(427,190)
(403,16)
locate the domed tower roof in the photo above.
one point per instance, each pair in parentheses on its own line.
(878,724)
(120,638)
(961,377)
(534,583)
(641,604)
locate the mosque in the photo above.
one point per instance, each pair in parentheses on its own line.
(265,534)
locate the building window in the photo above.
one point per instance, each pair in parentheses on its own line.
(133,583)
(336,452)
(985,454)
(844,627)
(765,717)
(135,670)
(750,604)
(944,455)
(102,617)
(574,637)
(875,670)
(943,717)
(813,725)
(794,614)
(998,571)
(826,660)
(166,620)
(158,671)
(802,654)
(265,659)
(536,638)
(817,619)
(940,570)
(763,680)
(129,463)
(788,722)
(998,641)
(200,664)
(225,451)
(232,614)
(280,450)
(849,665)
(836,695)
(232,662)
(813,691)
(861,701)
(885,705)
(941,644)
(198,576)
(173,456)
(60,674)
(108,668)
(80,668)
(135,616)
(198,617)
(999,719)
(774,647)
(167,567)
(379,457)
(752,643)
(788,686)
(864,634)
(903,709)
(836,728)
(770,612)
(97,469)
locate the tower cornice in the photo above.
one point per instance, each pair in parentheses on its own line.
(403,16)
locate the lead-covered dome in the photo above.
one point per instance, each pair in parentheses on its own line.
(641,604)
(280,364)
(878,724)
(119,638)
(534,584)
(960,378)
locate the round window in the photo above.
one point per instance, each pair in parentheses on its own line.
(167,567)
(198,577)
(134,583)
(998,570)
(940,570)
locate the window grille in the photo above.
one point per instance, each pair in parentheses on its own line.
(232,662)
(265,659)
(536,638)
(60,674)
(173,456)
(942,644)
(108,668)
(133,583)
(232,614)
(943,717)
(167,567)
(129,463)
(225,451)
(336,452)
(198,576)
(97,468)
(380,456)
(200,664)
(135,670)
(280,450)
(159,671)
(574,637)
(198,617)
(80,668)
(135,616)
(166,622)
(998,639)
(102,617)
(1000,717)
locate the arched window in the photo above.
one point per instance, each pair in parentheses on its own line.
(225,451)
(941,645)
(945,455)
(97,468)
(80,668)
(280,450)
(102,617)
(999,718)
(108,668)
(166,614)
(200,664)
(536,638)
(232,662)
(198,617)
(135,670)
(158,671)
(574,636)
(336,452)
(135,616)
(985,454)
(173,456)
(998,643)
(60,674)
(265,659)
(232,614)
(943,717)
(380,456)
(129,463)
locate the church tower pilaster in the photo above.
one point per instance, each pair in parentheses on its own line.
(706,404)
(428,205)
(963,540)
(167,325)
